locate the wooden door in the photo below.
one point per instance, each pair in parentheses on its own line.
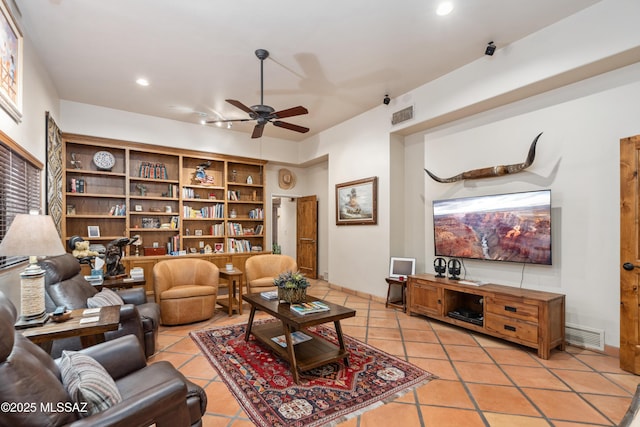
(629,254)
(307,236)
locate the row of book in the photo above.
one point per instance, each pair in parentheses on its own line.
(217,229)
(118,210)
(152,170)
(174,244)
(237,229)
(256,213)
(213,211)
(237,245)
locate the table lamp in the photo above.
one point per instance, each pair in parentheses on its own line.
(32,235)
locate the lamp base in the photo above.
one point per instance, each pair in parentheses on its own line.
(24,323)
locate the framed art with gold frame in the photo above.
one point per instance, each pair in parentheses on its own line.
(357,202)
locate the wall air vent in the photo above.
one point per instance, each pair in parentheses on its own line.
(582,336)
(402,115)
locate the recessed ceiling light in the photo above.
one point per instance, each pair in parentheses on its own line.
(444,8)
(142,81)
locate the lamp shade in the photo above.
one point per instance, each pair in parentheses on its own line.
(32,235)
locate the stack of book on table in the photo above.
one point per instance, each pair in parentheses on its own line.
(309,307)
(296,337)
(270,295)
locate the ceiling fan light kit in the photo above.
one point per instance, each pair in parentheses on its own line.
(262,113)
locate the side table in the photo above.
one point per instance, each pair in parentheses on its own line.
(397,303)
(90,333)
(234,281)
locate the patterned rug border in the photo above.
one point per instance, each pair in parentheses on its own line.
(337,417)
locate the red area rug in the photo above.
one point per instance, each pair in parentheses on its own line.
(264,387)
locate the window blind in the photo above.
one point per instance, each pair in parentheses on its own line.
(20,188)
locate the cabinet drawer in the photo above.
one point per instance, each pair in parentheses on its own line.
(513,328)
(510,308)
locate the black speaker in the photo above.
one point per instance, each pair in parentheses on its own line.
(454,267)
(440,266)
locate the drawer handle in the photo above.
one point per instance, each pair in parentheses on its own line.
(510,328)
(511,309)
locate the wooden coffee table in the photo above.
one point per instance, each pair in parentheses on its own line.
(89,333)
(306,355)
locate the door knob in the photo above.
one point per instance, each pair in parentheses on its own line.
(628,266)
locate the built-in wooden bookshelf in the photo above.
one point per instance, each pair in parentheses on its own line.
(186,201)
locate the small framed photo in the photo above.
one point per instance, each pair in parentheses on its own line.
(193,250)
(93,231)
(137,208)
(198,232)
(71,209)
(218,247)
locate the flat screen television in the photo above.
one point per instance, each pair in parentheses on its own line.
(513,227)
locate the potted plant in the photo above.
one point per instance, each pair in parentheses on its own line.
(292,287)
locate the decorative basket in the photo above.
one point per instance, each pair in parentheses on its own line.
(292,295)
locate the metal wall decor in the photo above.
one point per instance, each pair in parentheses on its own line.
(494,170)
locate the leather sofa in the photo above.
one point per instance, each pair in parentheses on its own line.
(151,394)
(260,270)
(65,286)
(186,289)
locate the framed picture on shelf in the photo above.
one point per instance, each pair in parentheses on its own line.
(357,202)
(12,70)
(197,232)
(71,209)
(137,208)
(93,231)
(218,247)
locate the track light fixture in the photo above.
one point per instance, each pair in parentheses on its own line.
(386,100)
(491,48)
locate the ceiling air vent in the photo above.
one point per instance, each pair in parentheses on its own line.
(402,115)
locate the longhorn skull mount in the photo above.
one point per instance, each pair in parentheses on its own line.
(492,171)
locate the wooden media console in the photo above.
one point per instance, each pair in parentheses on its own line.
(531,318)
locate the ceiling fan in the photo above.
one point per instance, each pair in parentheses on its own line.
(264,114)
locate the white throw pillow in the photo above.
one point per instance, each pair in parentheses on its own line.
(88,382)
(104,298)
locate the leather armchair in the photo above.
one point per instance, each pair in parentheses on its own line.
(155,393)
(65,285)
(186,290)
(260,270)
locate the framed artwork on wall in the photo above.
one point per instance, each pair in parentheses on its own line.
(11,71)
(357,202)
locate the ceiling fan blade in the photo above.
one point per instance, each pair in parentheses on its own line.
(291,126)
(290,112)
(239,105)
(257,131)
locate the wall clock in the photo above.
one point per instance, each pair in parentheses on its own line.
(104,160)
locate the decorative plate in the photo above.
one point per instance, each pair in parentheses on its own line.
(104,160)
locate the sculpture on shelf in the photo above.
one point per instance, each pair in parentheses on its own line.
(77,164)
(113,257)
(200,175)
(494,170)
(142,188)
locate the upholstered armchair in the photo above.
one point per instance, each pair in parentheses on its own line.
(260,270)
(145,394)
(186,290)
(65,286)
